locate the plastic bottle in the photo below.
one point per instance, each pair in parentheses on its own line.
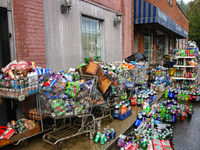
(175,94)
(183,96)
(139,100)
(123,109)
(173,116)
(194,97)
(183,115)
(166,93)
(116,110)
(154,97)
(133,100)
(138,120)
(179,95)
(190,97)
(198,96)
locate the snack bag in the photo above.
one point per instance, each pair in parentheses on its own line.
(11,66)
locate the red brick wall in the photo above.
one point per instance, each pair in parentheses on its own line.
(140,39)
(172,11)
(29,31)
(126,8)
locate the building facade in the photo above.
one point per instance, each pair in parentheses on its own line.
(159,23)
(36,30)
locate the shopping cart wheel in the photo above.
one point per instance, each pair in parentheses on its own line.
(24,143)
(111,118)
(61,145)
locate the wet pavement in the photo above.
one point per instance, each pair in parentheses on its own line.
(187,132)
(186,135)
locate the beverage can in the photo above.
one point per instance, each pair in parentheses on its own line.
(113,134)
(97,138)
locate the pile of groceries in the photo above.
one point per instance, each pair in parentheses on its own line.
(154,126)
(20,79)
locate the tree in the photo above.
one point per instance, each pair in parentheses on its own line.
(182,5)
(193,14)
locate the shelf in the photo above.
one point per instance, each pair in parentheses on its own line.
(181,78)
(184,66)
(185,56)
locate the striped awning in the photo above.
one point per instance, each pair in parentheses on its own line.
(145,13)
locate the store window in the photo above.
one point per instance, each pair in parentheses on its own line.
(183,43)
(170,2)
(180,44)
(91,37)
(147,43)
(171,44)
(177,44)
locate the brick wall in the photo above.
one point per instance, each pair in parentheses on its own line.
(126,8)
(29,31)
(173,12)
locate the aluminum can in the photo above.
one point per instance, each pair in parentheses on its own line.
(108,136)
(102,139)
(97,138)
(113,133)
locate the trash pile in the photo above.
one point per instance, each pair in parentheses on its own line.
(154,126)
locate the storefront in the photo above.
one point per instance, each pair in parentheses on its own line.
(154,28)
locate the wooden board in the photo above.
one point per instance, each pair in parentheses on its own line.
(17,137)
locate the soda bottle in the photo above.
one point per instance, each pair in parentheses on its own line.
(154,95)
(175,94)
(183,96)
(171,93)
(123,109)
(139,100)
(190,112)
(183,115)
(193,97)
(198,96)
(190,97)
(173,116)
(138,120)
(179,95)
(133,99)
(166,93)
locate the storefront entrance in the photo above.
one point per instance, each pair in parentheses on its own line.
(7,111)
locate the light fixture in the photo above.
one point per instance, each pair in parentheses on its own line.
(66,7)
(119,19)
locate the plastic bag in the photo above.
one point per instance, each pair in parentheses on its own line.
(136,57)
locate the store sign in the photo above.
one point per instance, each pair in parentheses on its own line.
(166,21)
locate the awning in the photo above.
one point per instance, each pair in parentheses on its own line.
(146,13)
